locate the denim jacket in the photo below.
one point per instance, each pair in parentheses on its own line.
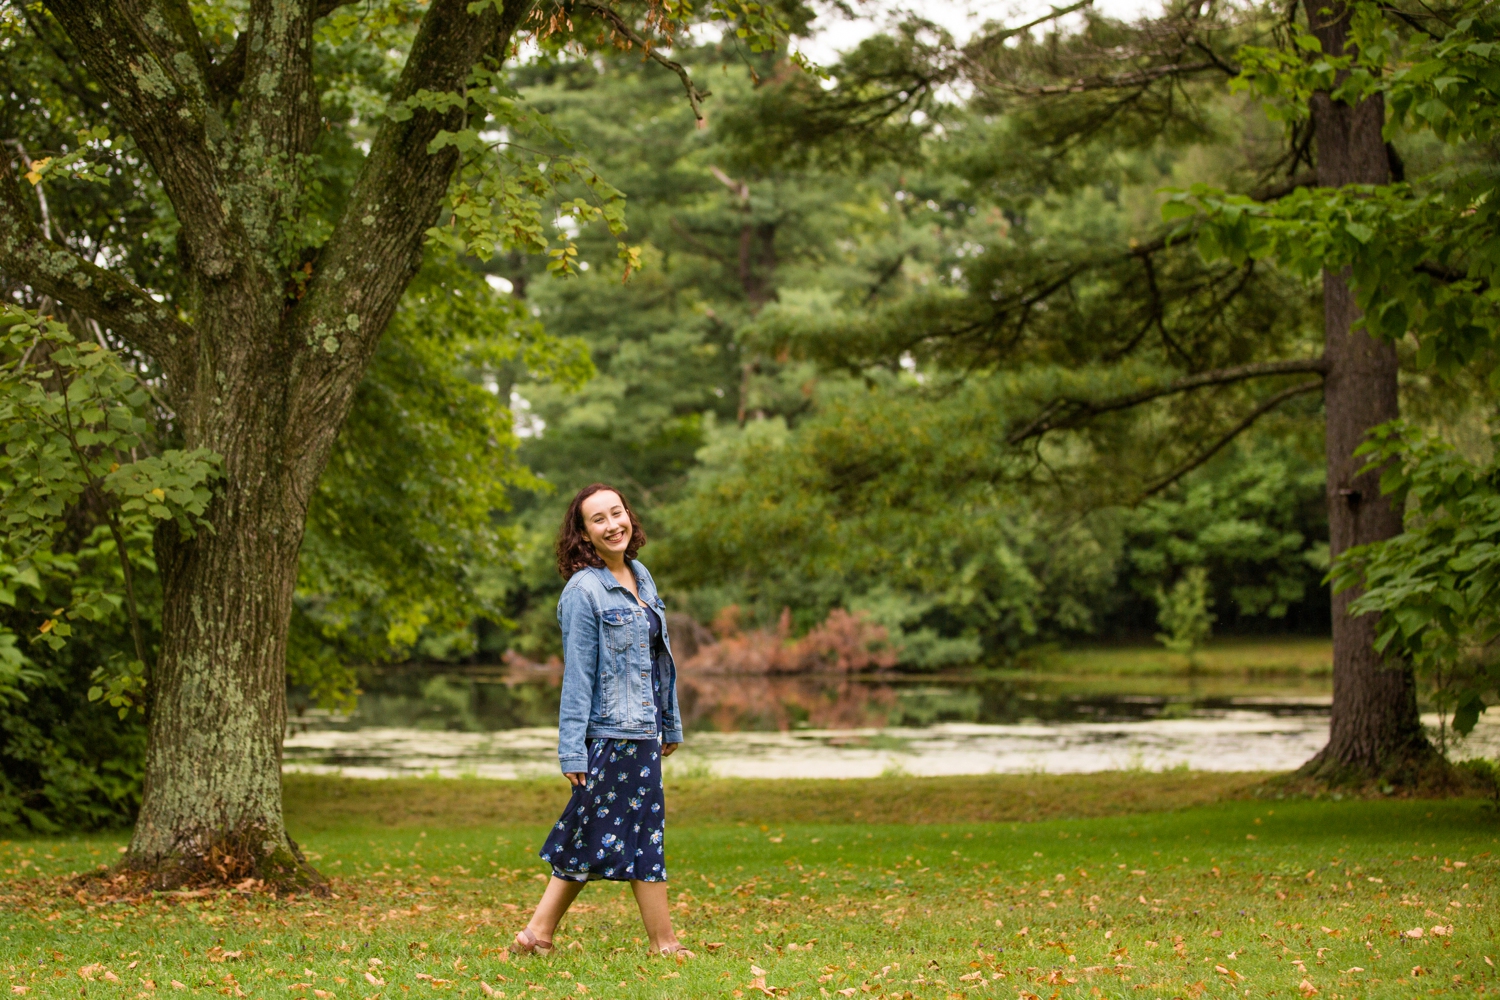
(606,689)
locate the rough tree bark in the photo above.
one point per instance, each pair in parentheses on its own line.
(1374,731)
(262,378)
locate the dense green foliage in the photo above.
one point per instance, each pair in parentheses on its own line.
(399,542)
(790,457)
(403,542)
(84,483)
(1435,584)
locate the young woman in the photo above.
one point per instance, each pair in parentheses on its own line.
(617,721)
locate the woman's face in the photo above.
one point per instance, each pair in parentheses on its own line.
(607,522)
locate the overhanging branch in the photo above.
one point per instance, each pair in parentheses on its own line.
(986,42)
(1234,432)
(1285,186)
(54,270)
(1448,275)
(1139,78)
(694,95)
(1063,413)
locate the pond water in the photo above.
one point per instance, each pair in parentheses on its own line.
(501,723)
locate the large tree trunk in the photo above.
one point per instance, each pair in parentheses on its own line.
(1374,731)
(212,801)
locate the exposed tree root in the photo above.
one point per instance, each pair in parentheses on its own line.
(1397,755)
(119,885)
(1423,775)
(244,860)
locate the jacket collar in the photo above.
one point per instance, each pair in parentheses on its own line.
(642,580)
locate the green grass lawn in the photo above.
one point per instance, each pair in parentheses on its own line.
(1242,897)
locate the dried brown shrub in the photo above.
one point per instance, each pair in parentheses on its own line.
(843,643)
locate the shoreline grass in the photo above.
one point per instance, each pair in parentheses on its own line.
(1281,656)
(322,802)
(1241,897)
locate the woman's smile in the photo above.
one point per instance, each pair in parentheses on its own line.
(607,522)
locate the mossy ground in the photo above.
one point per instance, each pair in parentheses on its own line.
(1245,897)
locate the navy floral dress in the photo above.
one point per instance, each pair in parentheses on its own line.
(614,824)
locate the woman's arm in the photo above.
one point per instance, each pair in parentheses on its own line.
(580,635)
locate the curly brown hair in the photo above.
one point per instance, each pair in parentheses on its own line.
(574,549)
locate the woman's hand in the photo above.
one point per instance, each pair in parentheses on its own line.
(578,778)
(667,749)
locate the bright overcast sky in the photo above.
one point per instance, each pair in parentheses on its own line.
(960,17)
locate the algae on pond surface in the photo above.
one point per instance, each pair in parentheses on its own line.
(1232,741)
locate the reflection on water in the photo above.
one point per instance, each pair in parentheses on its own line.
(502,724)
(492,700)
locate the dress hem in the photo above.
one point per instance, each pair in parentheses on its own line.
(599,877)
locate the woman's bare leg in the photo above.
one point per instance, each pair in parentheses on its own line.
(651,897)
(555,901)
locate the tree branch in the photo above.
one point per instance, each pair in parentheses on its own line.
(986,42)
(1076,411)
(278,116)
(886,274)
(52,269)
(694,242)
(377,245)
(694,95)
(1139,78)
(1234,432)
(150,60)
(1285,186)
(1448,275)
(228,73)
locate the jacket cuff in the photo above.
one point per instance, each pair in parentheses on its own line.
(574,765)
(672,736)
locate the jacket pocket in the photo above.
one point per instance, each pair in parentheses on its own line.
(617,629)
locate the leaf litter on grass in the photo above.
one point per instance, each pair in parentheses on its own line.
(1037,910)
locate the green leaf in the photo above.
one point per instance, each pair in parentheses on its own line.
(1466,715)
(1173,210)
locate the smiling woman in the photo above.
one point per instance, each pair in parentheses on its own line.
(617,719)
(609,513)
